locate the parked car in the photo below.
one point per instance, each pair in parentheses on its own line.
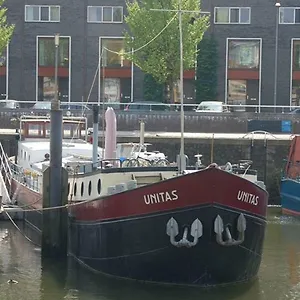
(70,108)
(147,106)
(295,111)
(212,106)
(9,104)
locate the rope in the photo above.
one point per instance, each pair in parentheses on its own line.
(91,88)
(19,209)
(145,45)
(18,228)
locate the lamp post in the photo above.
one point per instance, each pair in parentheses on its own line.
(55,103)
(180,11)
(277,5)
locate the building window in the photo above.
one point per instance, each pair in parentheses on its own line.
(41,13)
(112,57)
(296,55)
(243,54)
(232,15)
(112,89)
(46,68)
(289,15)
(47,52)
(237,92)
(105,14)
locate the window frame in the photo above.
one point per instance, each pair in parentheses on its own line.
(40,8)
(229,15)
(281,10)
(112,14)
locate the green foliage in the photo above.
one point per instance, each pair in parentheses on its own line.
(153,91)
(161,56)
(207,68)
(6,30)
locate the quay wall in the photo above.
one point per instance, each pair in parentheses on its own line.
(267,155)
(238,122)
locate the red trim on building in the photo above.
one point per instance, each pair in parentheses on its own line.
(296,75)
(3,71)
(50,71)
(116,72)
(189,74)
(242,74)
(126,73)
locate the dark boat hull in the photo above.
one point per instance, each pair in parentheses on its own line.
(289,193)
(140,249)
(126,234)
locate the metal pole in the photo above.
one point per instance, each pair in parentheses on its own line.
(132,70)
(95,134)
(182,160)
(276,55)
(55,103)
(56,139)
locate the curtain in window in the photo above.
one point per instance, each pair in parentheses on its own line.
(112,90)
(54,13)
(243,54)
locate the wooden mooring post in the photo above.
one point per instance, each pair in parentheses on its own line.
(55,221)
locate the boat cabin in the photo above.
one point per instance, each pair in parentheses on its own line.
(34,142)
(38,127)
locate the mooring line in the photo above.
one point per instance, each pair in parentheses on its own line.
(18,228)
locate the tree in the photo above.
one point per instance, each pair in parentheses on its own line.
(6,30)
(207,67)
(153,91)
(161,57)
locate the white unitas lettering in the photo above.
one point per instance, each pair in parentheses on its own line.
(160,197)
(247,198)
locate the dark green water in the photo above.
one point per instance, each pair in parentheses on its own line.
(279,276)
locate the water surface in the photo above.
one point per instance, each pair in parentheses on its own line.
(20,260)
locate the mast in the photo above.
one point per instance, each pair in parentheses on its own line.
(182,157)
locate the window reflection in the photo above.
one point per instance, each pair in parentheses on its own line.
(243,54)
(296,55)
(47,52)
(112,90)
(111,59)
(296,93)
(237,92)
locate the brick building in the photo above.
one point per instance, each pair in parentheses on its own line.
(245,33)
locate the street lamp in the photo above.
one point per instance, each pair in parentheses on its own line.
(56,101)
(277,5)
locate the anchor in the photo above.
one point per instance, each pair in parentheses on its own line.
(196,232)
(219,228)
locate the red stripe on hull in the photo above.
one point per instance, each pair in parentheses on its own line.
(290,212)
(26,196)
(208,186)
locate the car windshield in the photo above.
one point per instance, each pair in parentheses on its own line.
(8,104)
(74,106)
(139,107)
(210,107)
(148,106)
(42,105)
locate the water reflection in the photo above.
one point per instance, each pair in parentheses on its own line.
(279,276)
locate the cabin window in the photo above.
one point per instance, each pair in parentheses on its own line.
(82,188)
(75,189)
(25,155)
(99,186)
(29,157)
(68,188)
(90,188)
(21,153)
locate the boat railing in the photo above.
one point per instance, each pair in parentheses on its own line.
(5,167)
(29,178)
(104,164)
